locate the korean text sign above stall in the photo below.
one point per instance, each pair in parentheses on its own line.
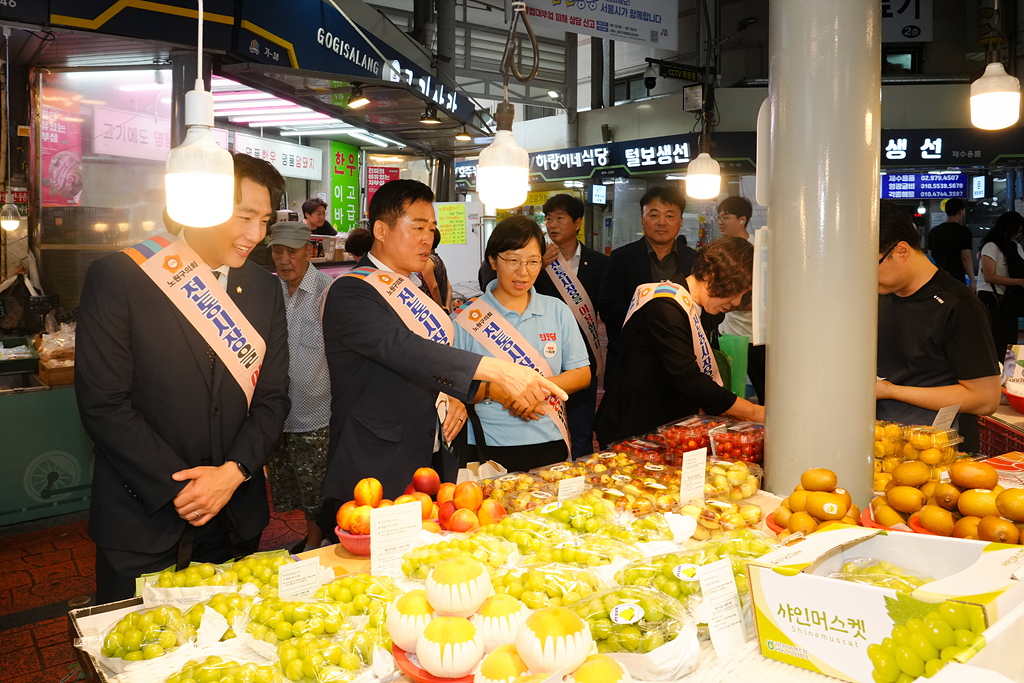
(923,185)
(906,21)
(130,134)
(293,161)
(344,186)
(649,22)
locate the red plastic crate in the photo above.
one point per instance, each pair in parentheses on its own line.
(997,438)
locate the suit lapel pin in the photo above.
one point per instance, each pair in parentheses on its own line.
(238,290)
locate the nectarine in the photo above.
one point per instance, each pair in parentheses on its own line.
(464,520)
(368,492)
(345,515)
(431,525)
(468,496)
(426,502)
(409,490)
(425,480)
(445,492)
(360,522)
(444,513)
(433,511)
(406,498)
(490,512)
(385,503)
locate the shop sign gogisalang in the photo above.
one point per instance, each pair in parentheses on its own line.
(314,36)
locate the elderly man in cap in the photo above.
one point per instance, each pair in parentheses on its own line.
(299,461)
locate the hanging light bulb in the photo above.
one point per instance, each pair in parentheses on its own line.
(503,172)
(10,217)
(357,99)
(995,99)
(200,175)
(921,208)
(703,177)
(463,135)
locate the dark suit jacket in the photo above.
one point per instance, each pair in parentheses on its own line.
(384,380)
(146,398)
(628,267)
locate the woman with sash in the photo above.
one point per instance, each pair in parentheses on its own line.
(667,369)
(511,321)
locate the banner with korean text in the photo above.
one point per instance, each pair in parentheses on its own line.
(648,22)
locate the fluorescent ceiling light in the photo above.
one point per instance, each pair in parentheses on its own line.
(242,95)
(140,87)
(283,116)
(271,105)
(253,114)
(366,137)
(278,124)
(316,131)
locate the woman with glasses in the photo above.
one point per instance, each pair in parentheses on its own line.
(512,322)
(666,368)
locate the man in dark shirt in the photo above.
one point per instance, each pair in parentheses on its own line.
(951,244)
(314,213)
(934,339)
(661,254)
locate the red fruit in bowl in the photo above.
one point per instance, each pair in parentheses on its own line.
(425,480)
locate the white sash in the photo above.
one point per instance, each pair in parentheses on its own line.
(701,347)
(504,341)
(575,296)
(195,291)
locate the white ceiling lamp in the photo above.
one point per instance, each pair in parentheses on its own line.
(995,99)
(503,171)
(200,176)
(356,98)
(10,217)
(703,177)
(463,135)
(366,137)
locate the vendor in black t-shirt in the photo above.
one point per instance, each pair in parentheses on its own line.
(934,339)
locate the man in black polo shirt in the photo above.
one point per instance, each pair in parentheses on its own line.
(934,339)
(951,243)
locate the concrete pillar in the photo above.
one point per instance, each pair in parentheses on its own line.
(446,36)
(596,73)
(825,86)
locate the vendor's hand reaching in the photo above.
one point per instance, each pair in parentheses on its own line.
(883,389)
(455,420)
(209,490)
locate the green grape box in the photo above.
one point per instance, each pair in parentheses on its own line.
(93,619)
(866,633)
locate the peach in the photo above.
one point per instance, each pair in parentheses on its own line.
(368,492)
(410,489)
(490,512)
(431,525)
(425,480)
(360,523)
(426,502)
(406,498)
(433,511)
(385,503)
(445,492)
(445,512)
(468,496)
(464,520)
(345,515)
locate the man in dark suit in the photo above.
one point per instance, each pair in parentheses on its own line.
(563,214)
(179,451)
(385,377)
(661,254)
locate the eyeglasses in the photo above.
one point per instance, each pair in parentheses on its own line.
(886,254)
(514,263)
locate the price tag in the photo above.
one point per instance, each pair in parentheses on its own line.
(570,488)
(393,530)
(944,418)
(691,483)
(718,586)
(298,580)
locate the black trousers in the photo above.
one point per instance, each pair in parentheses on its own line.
(756,365)
(1004,325)
(116,570)
(523,458)
(579,411)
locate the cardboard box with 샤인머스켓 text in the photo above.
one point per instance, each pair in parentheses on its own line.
(824,624)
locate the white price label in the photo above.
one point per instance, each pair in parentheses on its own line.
(298,580)
(718,586)
(570,488)
(691,483)
(944,418)
(393,530)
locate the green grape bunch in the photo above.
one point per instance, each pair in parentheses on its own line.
(321,659)
(631,619)
(274,620)
(581,515)
(488,550)
(214,669)
(147,635)
(228,605)
(588,550)
(547,585)
(529,530)
(923,644)
(361,594)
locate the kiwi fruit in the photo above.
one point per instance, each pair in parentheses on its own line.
(826,506)
(968,474)
(801,521)
(886,516)
(819,479)
(913,473)
(781,516)
(966,527)
(937,520)
(798,501)
(845,495)
(946,495)
(876,501)
(905,498)
(928,488)
(1010,504)
(978,503)
(997,530)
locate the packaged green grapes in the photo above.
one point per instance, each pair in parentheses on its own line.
(650,634)
(231,606)
(548,585)
(488,550)
(273,620)
(258,569)
(587,550)
(880,573)
(217,668)
(581,515)
(143,634)
(360,593)
(326,659)
(530,531)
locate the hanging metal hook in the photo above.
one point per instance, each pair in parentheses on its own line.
(508,61)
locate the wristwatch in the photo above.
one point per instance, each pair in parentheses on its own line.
(487,394)
(243,469)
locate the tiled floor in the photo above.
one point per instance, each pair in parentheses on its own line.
(40,571)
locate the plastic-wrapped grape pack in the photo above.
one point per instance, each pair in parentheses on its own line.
(588,550)
(530,531)
(548,585)
(488,550)
(631,619)
(228,605)
(215,668)
(880,573)
(147,634)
